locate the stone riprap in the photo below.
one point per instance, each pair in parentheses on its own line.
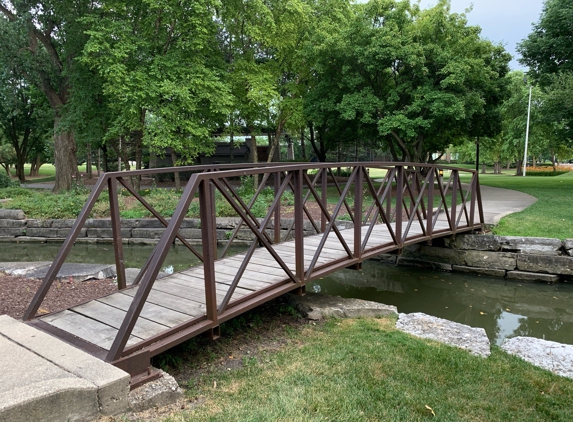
(555,357)
(527,259)
(316,306)
(452,333)
(14,227)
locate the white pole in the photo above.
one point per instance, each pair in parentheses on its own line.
(527,133)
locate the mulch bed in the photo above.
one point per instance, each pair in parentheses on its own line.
(17,292)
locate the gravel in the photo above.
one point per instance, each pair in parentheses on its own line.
(16,293)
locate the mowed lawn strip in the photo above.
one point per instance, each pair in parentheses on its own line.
(366,370)
(551,216)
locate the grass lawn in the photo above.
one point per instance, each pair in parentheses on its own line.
(366,370)
(550,216)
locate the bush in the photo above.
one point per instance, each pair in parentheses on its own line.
(7,182)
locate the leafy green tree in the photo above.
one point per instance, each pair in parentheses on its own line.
(41,40)
(161,73)
(420,77)
(25,118)
(548,48)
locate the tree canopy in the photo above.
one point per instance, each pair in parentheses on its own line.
(159,74)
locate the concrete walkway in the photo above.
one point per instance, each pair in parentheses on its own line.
(45,379)
(498,202)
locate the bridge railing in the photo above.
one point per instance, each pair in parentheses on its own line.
(408,199)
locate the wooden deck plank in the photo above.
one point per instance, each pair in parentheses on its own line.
(150,311)
(245,282)
(113,317)
(199,283)
(179,304)
(188,292)
(86,328)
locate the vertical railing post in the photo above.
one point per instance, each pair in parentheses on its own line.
(116,230)
(430,210)
(214,219)
(277,214)
(453,213)
(298,225)
(323,196)
(399,195)
(207,212)
(473,195)
(358,200)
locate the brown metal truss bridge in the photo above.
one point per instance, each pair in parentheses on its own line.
(411,203)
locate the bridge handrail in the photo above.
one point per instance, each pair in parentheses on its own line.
(407,190)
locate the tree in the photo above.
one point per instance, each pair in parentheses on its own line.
(41,39)
(25,118)
(418,76)
(161,74)
(548,48)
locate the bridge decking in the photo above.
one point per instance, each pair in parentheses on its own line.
(180,297)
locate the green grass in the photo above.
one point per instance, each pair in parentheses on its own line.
(366,370)
(550,216)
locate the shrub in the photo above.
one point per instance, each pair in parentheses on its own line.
(7,182)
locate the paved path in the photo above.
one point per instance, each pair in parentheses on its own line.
(45,379)
(498,202)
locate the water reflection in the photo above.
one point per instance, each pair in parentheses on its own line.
(503,308)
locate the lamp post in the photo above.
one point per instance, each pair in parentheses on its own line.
(527,130)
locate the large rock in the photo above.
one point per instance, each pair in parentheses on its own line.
(527,276)
(412,262)
(555,357)
(12,214)
(42,232)
(531,245)
(435,254)
(545,264)
(477,242)
(568,246)
(495,260)
(474,340)
(316,306)
(490,272)
(12,224)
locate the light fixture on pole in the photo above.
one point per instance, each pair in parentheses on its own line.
(527,130)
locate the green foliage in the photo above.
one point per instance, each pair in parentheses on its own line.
(417,78)
(7,182)
(548,49)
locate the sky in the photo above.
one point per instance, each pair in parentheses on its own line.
(502,21)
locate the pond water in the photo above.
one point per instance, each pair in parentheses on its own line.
(504,308)
(135,256)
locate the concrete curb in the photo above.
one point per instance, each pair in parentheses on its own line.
(47,369)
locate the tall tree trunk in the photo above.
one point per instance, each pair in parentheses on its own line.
(176,175)
(319,150)
(553,162)
(483,168)
(105,158)
(302,145)
(153,163)
(518,168)
(252,144)
(65,159)
(89,161)
(137,137)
